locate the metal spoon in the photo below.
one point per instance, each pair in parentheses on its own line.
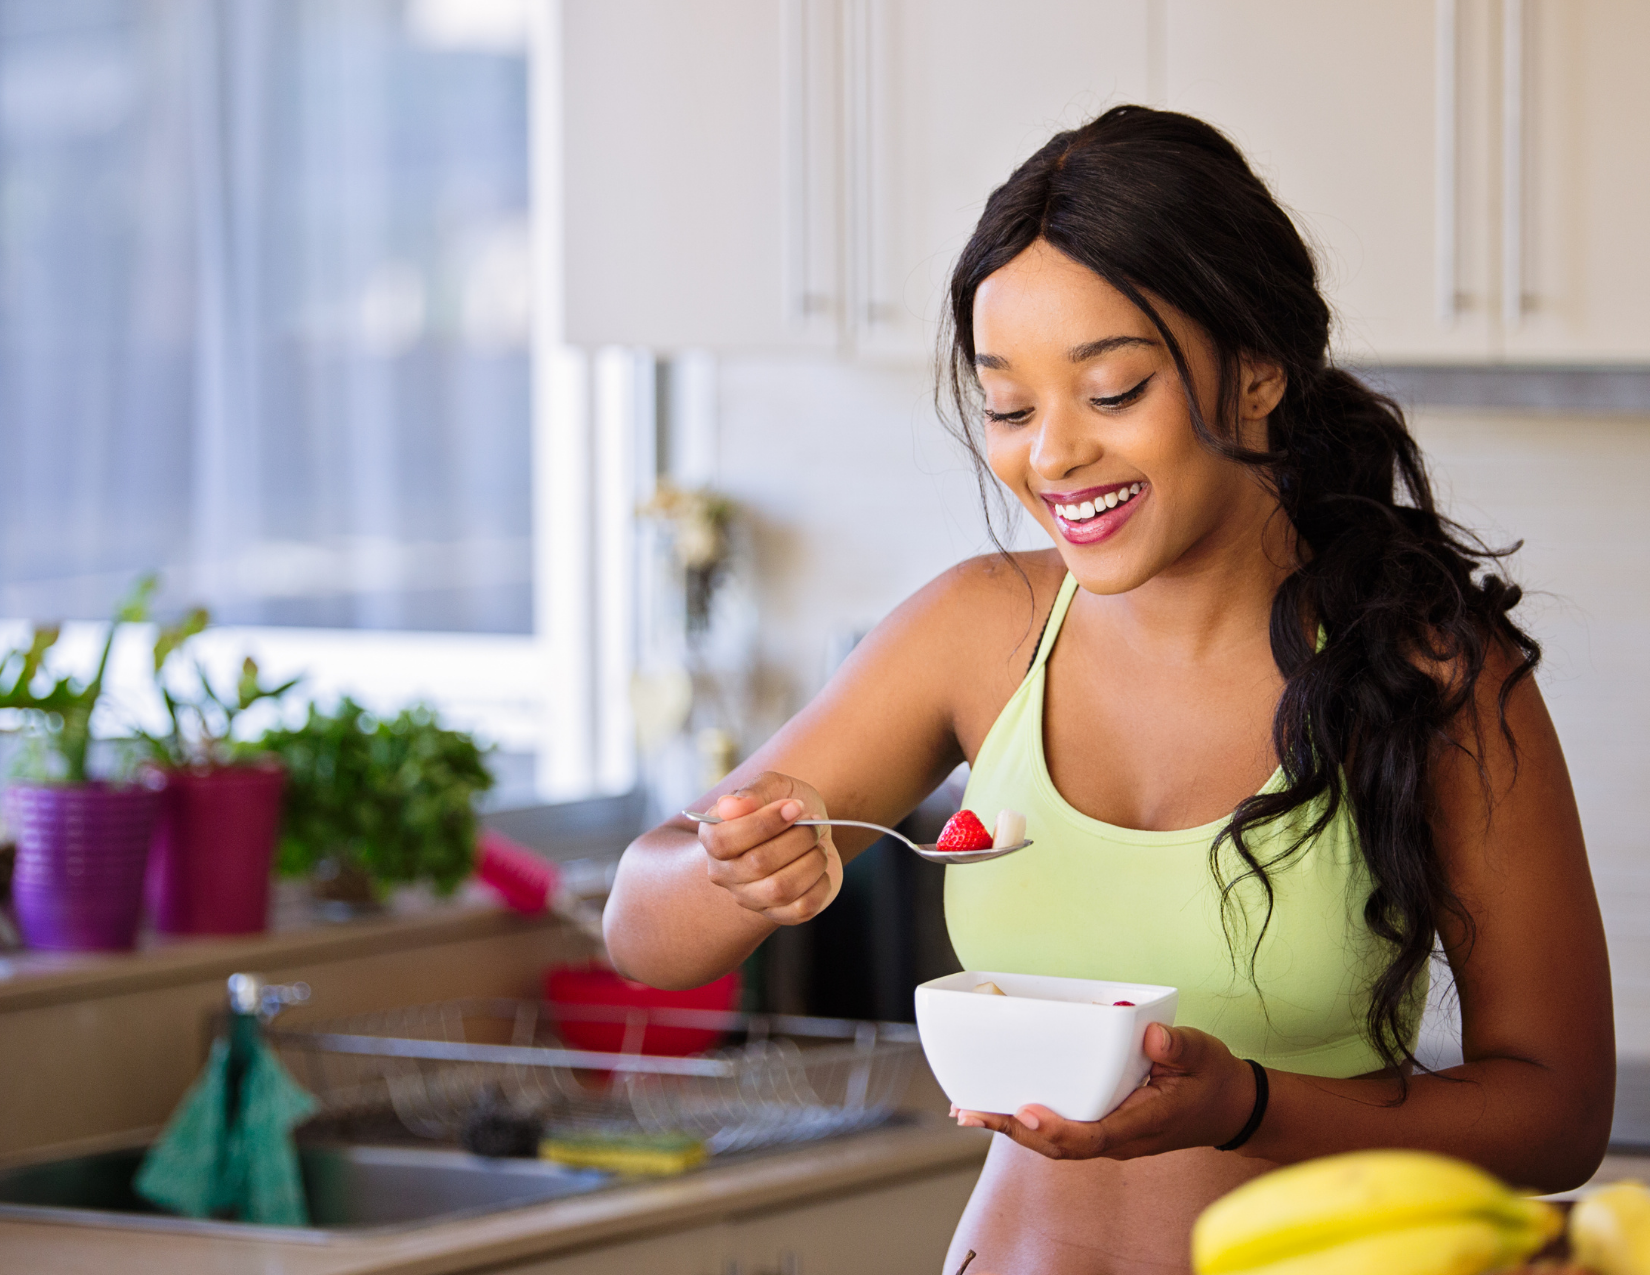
(932,853)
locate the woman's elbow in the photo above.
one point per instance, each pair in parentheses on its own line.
(1577,1146)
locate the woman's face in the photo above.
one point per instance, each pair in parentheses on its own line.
(1087,424)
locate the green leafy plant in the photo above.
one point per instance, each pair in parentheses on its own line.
(202,718)
(395,799)
(57,711)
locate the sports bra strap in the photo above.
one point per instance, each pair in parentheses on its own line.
(1056,617)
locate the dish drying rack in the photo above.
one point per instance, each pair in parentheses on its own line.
(778,1079)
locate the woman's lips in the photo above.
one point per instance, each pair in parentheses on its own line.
(1106,522)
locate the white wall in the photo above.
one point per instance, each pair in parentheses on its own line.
(1574,490)
(860,497)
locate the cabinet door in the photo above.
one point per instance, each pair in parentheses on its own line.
(906,1227)
(948,97)
(1339,107)
(1576,193)
(699,173)
(702,1250)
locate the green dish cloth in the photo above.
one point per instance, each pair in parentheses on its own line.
(227,1151)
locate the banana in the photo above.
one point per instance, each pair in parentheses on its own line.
(1610,1230)
(1325,1210)
(1435,1248)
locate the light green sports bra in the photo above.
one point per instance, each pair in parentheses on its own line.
(1092,900)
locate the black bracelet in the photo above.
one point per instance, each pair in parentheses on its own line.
(1255,1116)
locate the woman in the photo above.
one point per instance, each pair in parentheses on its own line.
(1277,737)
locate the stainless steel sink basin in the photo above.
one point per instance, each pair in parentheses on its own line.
(349,1188)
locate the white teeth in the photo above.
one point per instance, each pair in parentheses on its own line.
(1065,511)
(1134,490)
(1123,495)
(1086,509)
(1111,500)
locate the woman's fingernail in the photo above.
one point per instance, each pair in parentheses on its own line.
(790,810)
(1029,1119)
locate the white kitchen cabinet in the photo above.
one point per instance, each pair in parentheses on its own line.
(701,1250)
(1472,171)
(699,173)
(1575,190)
(952,95)
(1346,110)
(794,174)
(906,1226)
(902,1226)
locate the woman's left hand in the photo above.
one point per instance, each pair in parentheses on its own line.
(1199,1095)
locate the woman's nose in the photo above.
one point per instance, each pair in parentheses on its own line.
(1065,443)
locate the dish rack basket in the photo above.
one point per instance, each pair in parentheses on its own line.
(775,1079)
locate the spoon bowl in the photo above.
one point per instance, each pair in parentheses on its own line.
(930,852)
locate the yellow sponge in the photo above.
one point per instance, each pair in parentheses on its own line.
(656,1155)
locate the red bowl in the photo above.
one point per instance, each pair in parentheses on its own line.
(595,986)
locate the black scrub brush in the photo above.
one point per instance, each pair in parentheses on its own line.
(491,1128)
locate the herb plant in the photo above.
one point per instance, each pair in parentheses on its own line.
(57,711)
(394,798)
(203,719)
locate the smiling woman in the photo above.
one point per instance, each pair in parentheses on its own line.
(1276,741)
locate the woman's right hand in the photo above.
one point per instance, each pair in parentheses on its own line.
(758,855)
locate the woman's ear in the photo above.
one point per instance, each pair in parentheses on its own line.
(1262,387)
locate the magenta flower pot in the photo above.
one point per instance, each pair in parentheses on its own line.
(81,851)
(209,865)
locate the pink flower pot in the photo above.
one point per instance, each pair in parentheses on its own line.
(81,851)
(209,866)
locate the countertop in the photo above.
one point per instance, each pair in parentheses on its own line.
(29,979)
(753,1184)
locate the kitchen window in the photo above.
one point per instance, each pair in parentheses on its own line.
(267,326)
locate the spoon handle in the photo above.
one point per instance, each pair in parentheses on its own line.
(709,817)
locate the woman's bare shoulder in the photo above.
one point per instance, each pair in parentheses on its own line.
(981,618)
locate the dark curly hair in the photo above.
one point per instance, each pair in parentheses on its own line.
(1165,209)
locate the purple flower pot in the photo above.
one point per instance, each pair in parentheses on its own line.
(214,840)
(81,851)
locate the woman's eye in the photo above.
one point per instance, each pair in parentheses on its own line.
(1007,418)
(1126,397)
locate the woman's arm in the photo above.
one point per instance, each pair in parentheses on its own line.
(908,705)
(1532,1100)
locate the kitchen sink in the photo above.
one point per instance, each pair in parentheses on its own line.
(350,1189)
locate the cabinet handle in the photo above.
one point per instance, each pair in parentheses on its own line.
(859,46)
(1446,124)
(1512,162)
(801,302)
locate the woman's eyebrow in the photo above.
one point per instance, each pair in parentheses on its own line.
(1077,354)
(1105,345)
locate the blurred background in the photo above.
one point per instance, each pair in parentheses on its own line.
(371,325)
(567,365)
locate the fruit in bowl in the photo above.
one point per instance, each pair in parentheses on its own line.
(1064,1043)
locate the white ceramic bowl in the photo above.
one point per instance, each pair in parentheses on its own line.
(1045,1041)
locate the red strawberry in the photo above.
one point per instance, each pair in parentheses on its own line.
(1130,1004)
(964,831)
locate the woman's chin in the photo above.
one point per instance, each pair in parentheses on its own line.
(1105,573)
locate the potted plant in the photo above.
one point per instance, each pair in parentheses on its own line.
(372,803)
(209,865)
(82,842)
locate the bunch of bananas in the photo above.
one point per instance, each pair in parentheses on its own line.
(1610,1230)
(1371,1213)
